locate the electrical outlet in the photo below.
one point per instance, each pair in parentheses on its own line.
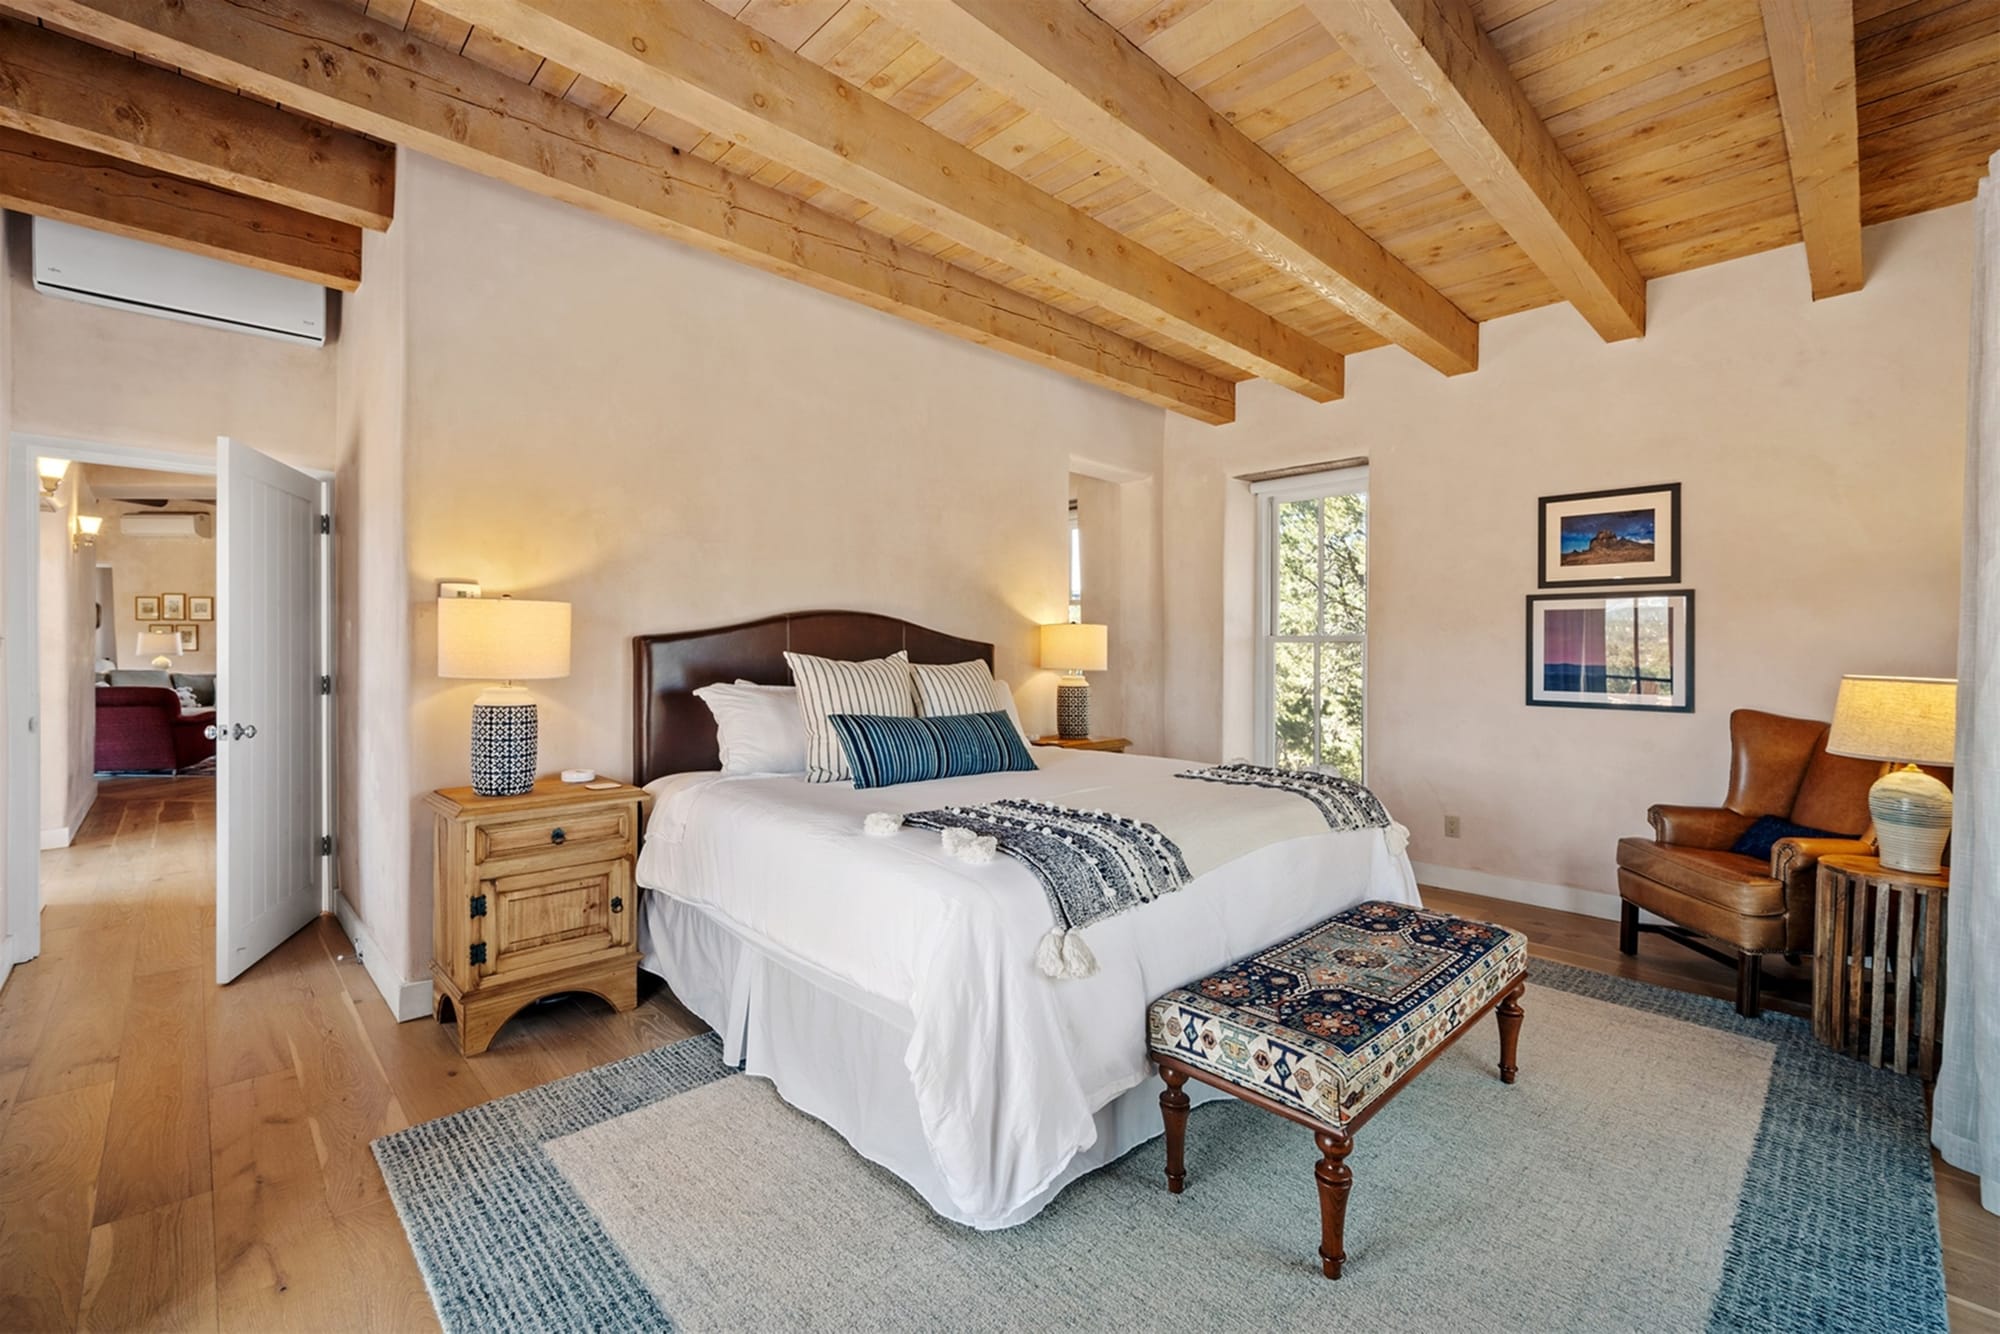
(1451,826)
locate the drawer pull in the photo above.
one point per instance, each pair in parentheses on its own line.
(556,835)
(617,904)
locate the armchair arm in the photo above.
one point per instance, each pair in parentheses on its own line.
(1792,856)
(1711,827)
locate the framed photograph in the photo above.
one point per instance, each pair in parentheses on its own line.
(1612,650)
(173,606)
(190,638)
(201,608)
(146,608)
(161,630)
(1611,537)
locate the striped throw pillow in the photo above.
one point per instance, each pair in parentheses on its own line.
(882,752)
(958,687)
(828,686)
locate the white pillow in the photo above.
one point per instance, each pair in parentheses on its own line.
(827,686)
(1003,700)
(952,688)
(757,728)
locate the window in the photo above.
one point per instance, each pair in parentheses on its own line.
(1312,603)
(1075,568)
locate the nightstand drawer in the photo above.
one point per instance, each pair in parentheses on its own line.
(577,835)
(550,919)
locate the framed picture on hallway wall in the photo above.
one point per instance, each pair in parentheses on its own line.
(1631,536)
(146,608)
(190,638)
(173,606)
(1612,650)
(200,608)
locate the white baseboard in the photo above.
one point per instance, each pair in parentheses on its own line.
(1564,898)
(406,1000)
(63,837)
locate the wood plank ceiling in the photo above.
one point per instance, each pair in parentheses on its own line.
(1159,196)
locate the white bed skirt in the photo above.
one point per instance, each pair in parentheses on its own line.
(836,1054)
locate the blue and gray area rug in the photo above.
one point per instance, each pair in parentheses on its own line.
(1662,1164)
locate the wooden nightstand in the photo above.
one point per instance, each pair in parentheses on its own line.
(1878,961)
(1084,743)
(534,896)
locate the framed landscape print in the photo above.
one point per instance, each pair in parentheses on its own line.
(1612,650)
(201,608)
(1611,537)
(173,606)
(146,608)
(190,638)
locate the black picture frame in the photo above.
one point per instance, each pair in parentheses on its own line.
(1657,572)
(1535,669)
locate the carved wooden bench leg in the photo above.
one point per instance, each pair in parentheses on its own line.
(1336,1179)
(1174,1111)
(1510,1015)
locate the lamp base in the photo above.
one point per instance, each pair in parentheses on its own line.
(504,736)
(1912,814)
(1073,707)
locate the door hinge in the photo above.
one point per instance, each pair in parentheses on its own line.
(326,523)
(326,845)
(326,685)
(479,905)
(477,953)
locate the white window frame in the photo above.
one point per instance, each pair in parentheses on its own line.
(1075,567)
(1268,496)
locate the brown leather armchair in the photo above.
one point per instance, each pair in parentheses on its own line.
(1734,908)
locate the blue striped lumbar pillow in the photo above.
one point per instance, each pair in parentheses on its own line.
(883,751)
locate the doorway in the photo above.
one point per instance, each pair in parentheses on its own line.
(271,663)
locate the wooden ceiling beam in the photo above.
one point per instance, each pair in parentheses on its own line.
(691,60)
(75,93)
(1057,58)
(343,68)
(1435,65)
(1812,64)
(70,184)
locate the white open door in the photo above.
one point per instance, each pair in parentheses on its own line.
(270,557)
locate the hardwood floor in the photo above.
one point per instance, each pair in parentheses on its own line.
(177,1155)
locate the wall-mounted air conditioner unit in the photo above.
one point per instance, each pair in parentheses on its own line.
(166,525)
(107,270)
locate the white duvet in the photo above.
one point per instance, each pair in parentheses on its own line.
(1008,1066)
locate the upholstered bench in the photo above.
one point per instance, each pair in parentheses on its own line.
(1325,1027)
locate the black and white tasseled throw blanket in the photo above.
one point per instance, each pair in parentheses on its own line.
(1095,864)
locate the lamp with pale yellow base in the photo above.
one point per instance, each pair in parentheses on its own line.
(1907,721)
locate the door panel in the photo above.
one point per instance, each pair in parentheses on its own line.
(269,558)
(551,918)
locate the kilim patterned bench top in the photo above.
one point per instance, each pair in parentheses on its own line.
(1327,1021)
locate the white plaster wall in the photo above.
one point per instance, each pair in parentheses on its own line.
(1819,446)
(6,426)
(147,567)
(67,723)
(668,440)
(1119,523)
(372,817)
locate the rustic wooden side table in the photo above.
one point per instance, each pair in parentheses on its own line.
(1878,961)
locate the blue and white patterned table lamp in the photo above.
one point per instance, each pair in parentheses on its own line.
(505,640)
(1907,721)
(1073,650)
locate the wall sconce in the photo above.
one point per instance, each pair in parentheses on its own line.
(51,472)
(85,532)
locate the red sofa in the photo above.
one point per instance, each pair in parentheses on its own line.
(143,728)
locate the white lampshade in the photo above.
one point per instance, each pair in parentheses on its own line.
(51,470)
(1901,719)
(1075,648)
(502,639)
(158,644)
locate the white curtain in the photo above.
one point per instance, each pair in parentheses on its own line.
(1965,1123)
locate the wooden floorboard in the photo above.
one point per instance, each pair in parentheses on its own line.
(178,1155)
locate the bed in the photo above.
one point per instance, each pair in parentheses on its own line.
(888,989)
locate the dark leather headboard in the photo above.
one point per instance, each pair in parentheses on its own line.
(673,732)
